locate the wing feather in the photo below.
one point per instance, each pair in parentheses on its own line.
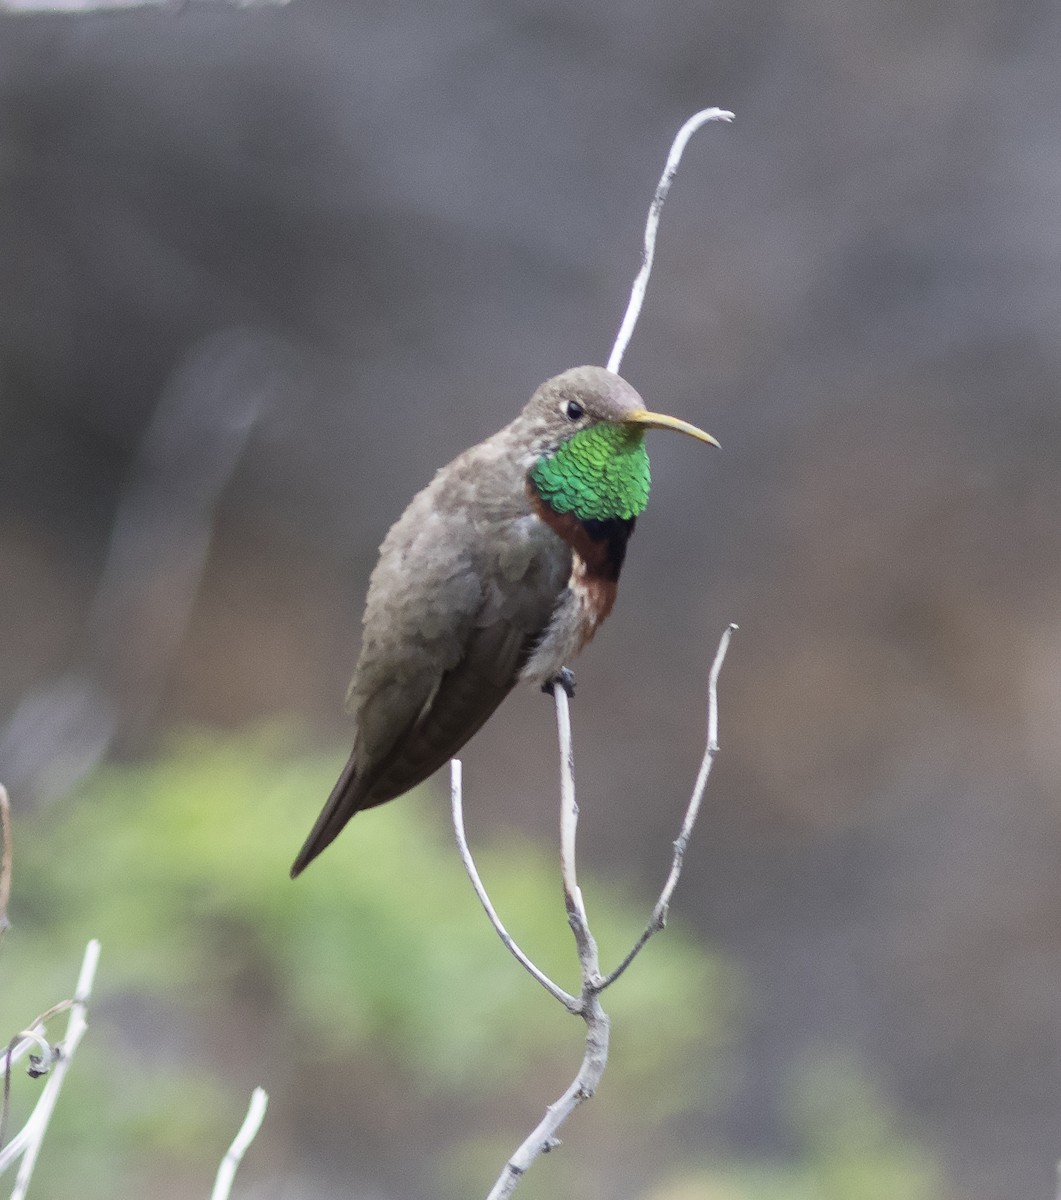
(466,583)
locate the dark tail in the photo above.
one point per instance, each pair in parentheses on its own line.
(340,806)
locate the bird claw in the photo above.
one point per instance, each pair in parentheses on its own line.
(565,678)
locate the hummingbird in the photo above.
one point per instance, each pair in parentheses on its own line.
(498,572)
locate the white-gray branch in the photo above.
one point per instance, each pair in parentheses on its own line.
(27,1142)
(598,1026)
(456,797)
(658,920)
(637,292)
(252,1122)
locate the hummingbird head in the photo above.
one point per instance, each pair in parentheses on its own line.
(586,396)
(586,430)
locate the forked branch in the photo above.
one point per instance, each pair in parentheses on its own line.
(54,1061)
(26,1144)
(598,1027)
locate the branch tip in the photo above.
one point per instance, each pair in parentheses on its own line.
(27,1142)
(658,921)
(542,1139)
(640,284)
(252,1122)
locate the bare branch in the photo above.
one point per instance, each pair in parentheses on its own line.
(583,1086)
(5,859)
(33,1034)
(566,999)
(26,1039)
(252,1122)
(598,1026)
(27,1142)
(576,908)
(637,292)
(658,919)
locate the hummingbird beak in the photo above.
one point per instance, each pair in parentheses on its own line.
(653,420)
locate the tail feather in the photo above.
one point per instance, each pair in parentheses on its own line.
(340,806)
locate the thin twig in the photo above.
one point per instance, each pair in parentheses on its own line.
(26,1039)
(19,1044)
(658,919)
(566,999)
(637,292)
(576,907)
(252,1122)
(28,1141)
(5,859)
(583,1086)
(598,1026)
(35,1029)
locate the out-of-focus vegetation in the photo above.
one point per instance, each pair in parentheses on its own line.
(377,965)
(849,1148)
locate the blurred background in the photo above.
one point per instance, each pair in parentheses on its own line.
(261,272)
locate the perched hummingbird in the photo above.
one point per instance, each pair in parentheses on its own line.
(500,570)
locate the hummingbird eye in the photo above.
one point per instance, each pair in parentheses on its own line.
(574,411)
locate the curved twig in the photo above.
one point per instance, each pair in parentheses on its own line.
(637,292)
(598,1025)
(566,999)
(26,1039)
(252,1122)
(27,1142)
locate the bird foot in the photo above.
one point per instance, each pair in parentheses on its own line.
(565,678)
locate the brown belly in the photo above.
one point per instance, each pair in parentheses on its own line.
(585,602)
(594,570)
(594,593)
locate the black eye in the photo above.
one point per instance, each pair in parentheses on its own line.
(574,411)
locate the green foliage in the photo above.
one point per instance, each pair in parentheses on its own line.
(184,879)
(374,980)
(852,1148)
(379,954)
(852,1137)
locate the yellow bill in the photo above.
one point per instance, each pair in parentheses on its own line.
(653,420)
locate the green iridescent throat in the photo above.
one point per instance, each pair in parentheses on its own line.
(599,474)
